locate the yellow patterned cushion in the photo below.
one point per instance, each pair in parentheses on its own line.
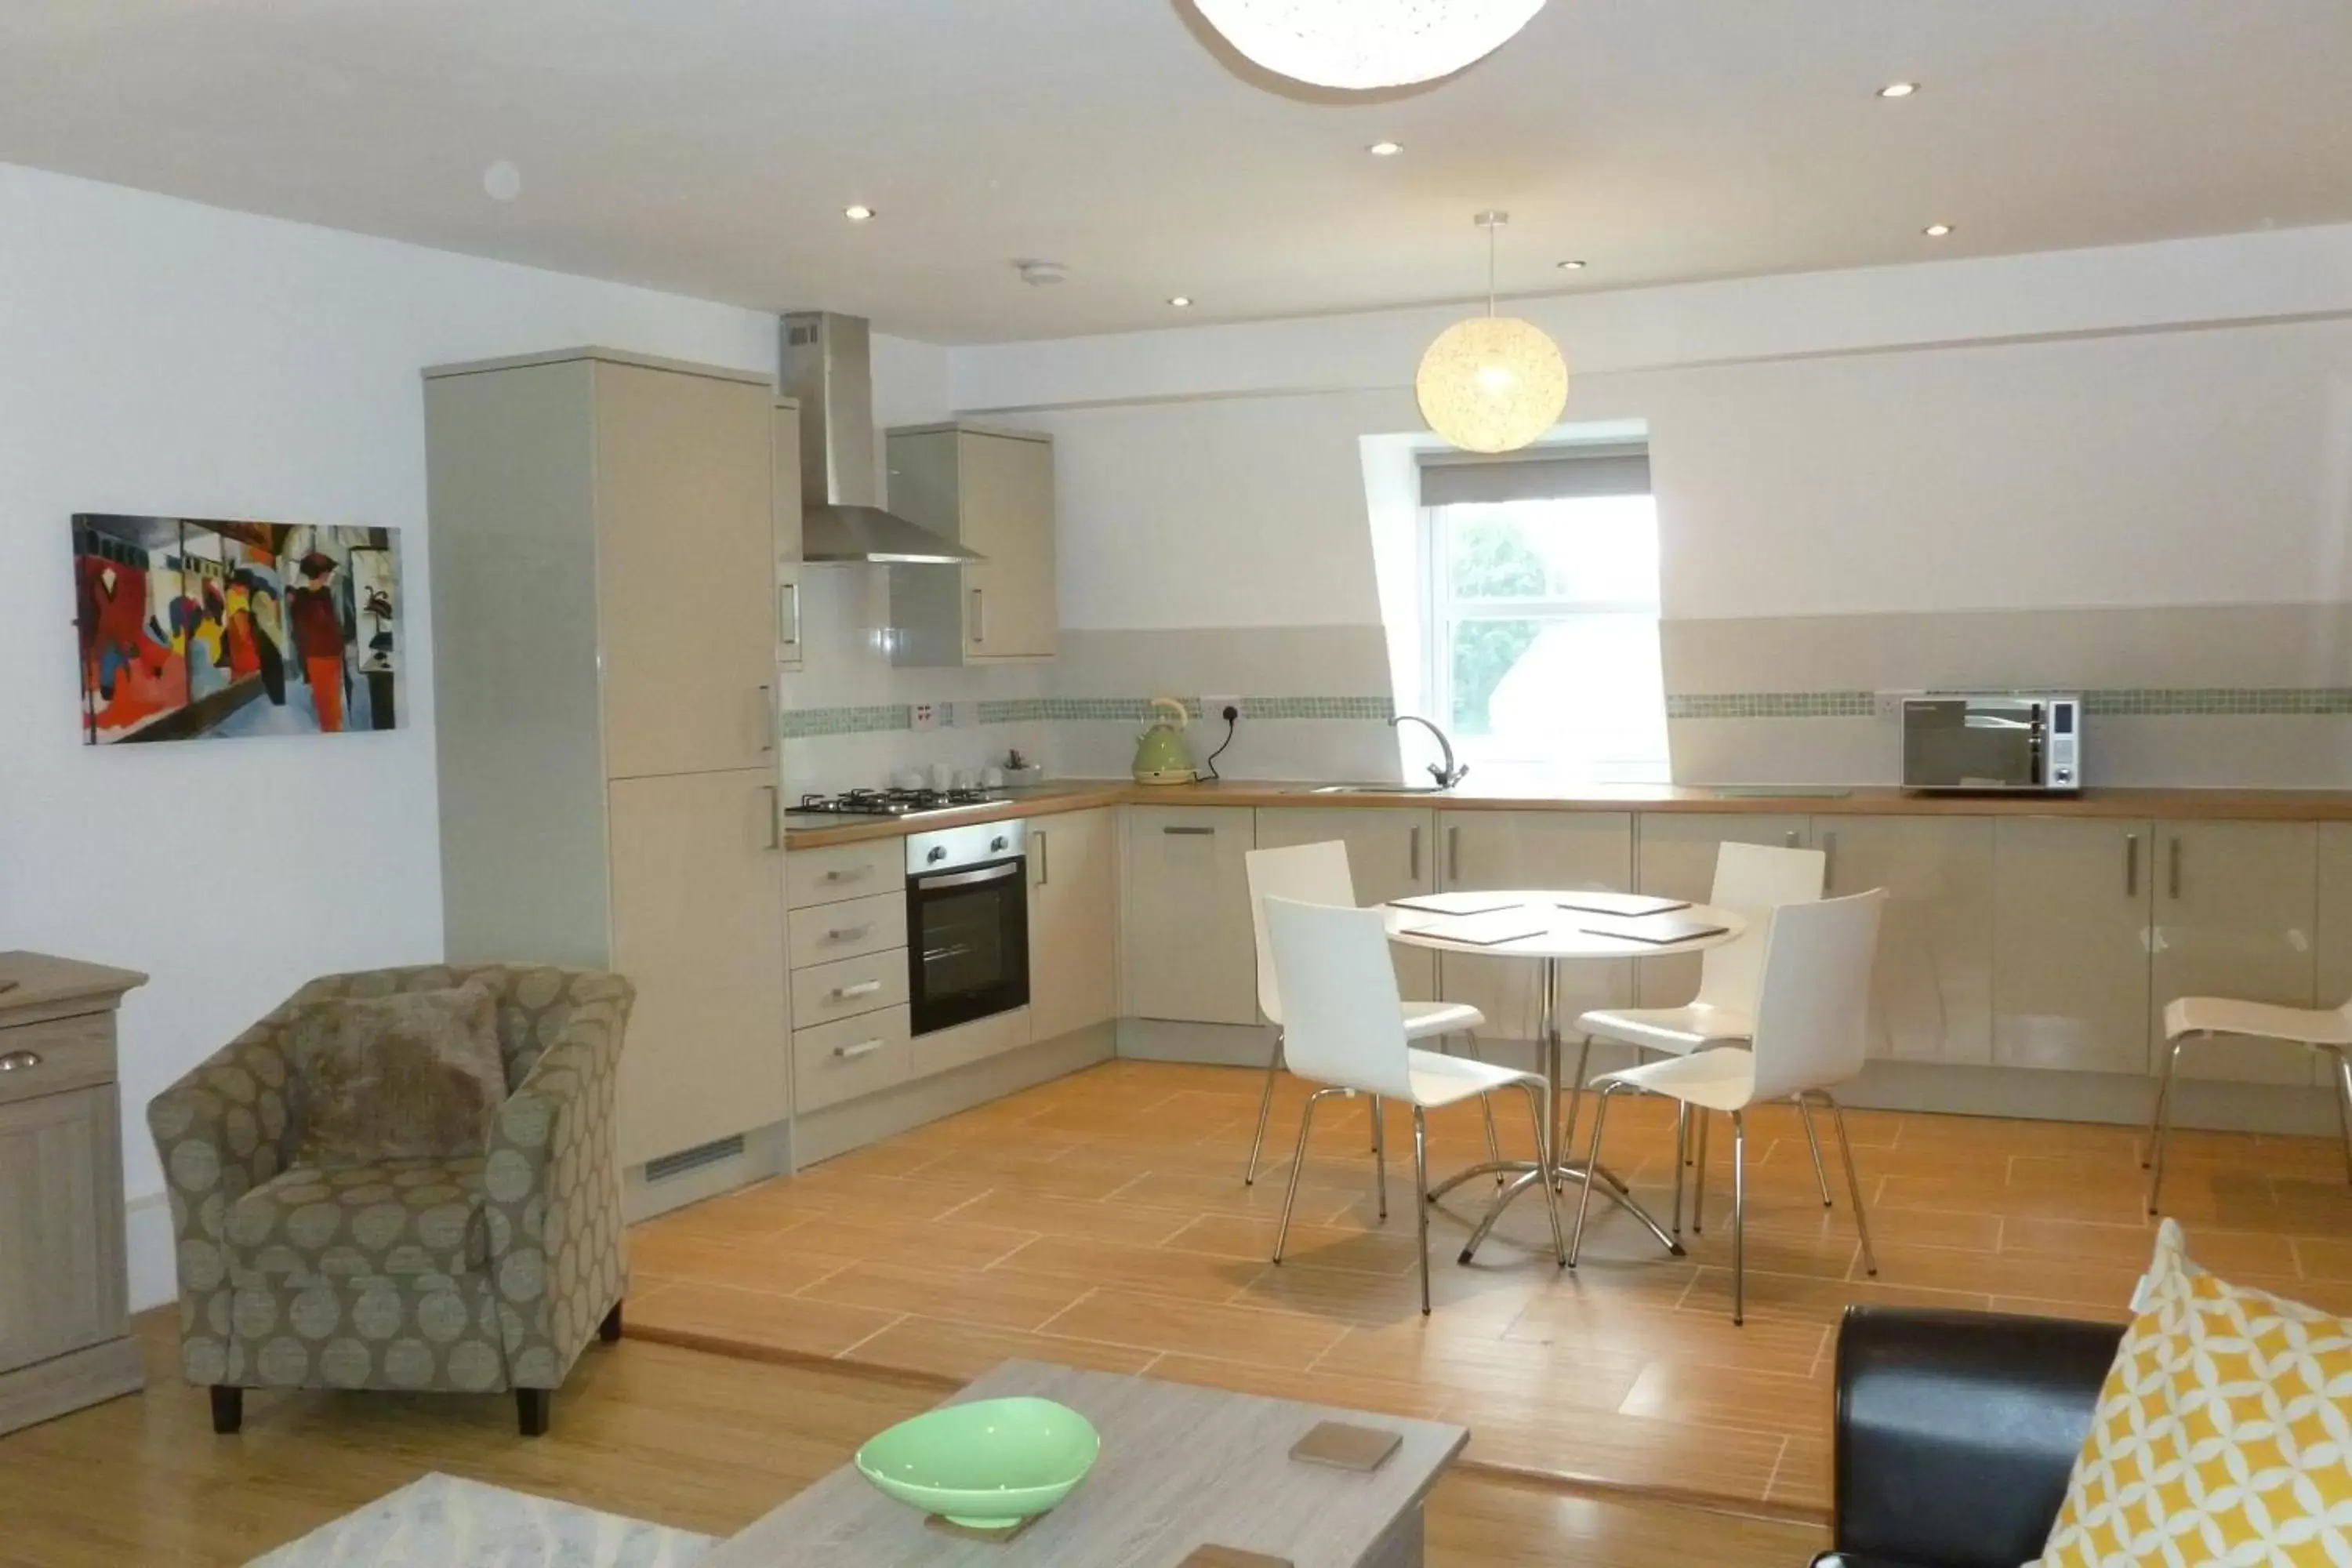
(2223,1434)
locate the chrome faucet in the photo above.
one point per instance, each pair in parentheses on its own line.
(1448,773)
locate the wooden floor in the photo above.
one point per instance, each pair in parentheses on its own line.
(641,1429)
(1101,1221)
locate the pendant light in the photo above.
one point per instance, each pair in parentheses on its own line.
(1492,384)
(1362,45)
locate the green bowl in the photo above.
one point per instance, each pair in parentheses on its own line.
(989,1464)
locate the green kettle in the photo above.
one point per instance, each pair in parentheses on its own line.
(1160,755)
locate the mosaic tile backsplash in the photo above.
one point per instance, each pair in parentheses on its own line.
(802,723)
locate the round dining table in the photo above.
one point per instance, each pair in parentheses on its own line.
(1555,935)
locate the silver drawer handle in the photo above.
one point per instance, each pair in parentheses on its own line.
(19,1061)
(863,988)
(856,874)
(863,1048)
(852,934)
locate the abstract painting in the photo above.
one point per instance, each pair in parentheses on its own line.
(195,627)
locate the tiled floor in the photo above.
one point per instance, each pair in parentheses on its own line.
(1101,1221)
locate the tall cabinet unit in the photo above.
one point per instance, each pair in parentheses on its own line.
(612,566)
(990,490)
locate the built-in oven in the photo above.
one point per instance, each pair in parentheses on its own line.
(2026,743)
(967,923)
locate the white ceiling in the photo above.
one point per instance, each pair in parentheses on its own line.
(708,146)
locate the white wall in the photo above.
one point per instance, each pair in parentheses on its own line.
(157,356)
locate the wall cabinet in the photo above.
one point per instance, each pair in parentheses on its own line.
(1676,860)
(1931,993)
(1190,951)
(1074,922)
(992,491)
(1545,849)
(2236,909)
(609,560)
(2071,901)
(1391,854)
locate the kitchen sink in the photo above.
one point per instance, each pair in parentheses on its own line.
(1376,789)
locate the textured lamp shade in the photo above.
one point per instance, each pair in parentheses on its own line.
(1492,384)
(1360,45)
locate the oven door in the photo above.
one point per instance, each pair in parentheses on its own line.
(967,944)
(1974,744)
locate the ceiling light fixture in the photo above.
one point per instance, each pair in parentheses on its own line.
(502,181)
(1899,89)
(860,213)
(1492,384)
(1385,149)
(1361,45)
(1571,265)
(1937,230)
(1182,302)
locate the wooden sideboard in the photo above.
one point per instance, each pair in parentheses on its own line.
(64,1315)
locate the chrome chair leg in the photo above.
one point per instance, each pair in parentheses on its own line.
(1681,1154)
(2344,1107)
(1814,1141)
(2160,1125)
(1738,1218)
(1584,1202)
(2156,1114)
(1419,1202)
(1852,1181)
(1576,1096)
(1297,1164)
(1537,1096)
(1265,1110)
(1380,1156)
(1699,1182)
(1486,1105)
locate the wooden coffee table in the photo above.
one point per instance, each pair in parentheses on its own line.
(1182,1467)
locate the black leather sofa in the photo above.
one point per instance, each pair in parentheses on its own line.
(1956,1433)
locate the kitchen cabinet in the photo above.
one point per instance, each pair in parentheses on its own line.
(2333,930)
(1676,859)
(2236,907)
(785,506)
(609,550)
(990,490)
(1074,921)
(1931,988)
(1539,849)
(1190,951)
(2072,904)
(706,1052)
(1391,854)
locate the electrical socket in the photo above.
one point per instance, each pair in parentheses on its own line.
(1212,709)
(925,716)
(1890,703)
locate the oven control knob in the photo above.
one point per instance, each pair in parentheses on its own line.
(995,844)
(938,853)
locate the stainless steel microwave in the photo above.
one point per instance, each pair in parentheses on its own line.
(2030,745)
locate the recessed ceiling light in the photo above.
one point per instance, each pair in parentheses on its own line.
(1182,302)
(1937,230)
(1899,89)
(1385,149)
(1571,265)
(860,213)
(502,181)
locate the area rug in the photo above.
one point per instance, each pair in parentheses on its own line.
(444,1521)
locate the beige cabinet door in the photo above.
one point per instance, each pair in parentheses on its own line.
(2332,935)
(698,924)
(784,514)
(1675,858)
(685,554)
(2237,904)
(1391,855)
(1190,953)
(1006,503)
(1541,850)
(60,1224)
(2072,902)
(1073,921)
(1931,993)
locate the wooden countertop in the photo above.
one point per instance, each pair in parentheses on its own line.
(1871,800)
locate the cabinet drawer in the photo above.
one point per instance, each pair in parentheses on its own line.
(844,990)
(845,871)
(848,930)
(838,1061)
(56,1055)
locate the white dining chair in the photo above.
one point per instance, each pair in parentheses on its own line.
(1811,1003)
(1751,880)
(2327,1031)
(1318,874)
(1345,1030)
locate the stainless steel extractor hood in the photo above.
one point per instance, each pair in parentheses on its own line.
(828,364)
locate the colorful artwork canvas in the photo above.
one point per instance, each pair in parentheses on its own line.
(193,627)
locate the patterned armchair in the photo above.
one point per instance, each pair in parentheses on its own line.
(475,1275)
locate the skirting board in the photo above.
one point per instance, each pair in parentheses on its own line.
(767,1151)
(70,1382)
(837,1129)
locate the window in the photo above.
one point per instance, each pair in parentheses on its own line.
(1542,615)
